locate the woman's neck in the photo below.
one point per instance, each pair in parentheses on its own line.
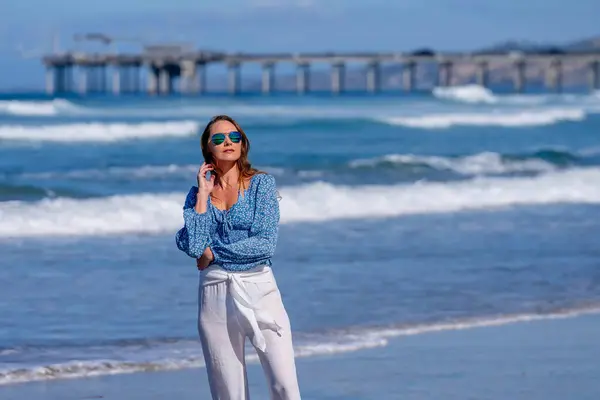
(229,175)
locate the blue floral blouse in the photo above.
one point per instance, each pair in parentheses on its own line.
(240,238)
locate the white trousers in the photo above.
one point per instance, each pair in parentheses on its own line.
(236,305)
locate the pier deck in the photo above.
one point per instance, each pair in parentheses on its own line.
(82,72)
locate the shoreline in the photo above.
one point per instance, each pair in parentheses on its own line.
(356,340)
(430,358)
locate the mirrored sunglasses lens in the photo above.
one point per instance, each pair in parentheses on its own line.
(218,138)
(235,137)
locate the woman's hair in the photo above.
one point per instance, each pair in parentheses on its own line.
(244,166)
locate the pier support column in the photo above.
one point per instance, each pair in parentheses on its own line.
(554,75)
(91,79)
(268,77)
(519,77)
(337,78)
(127,76)
(302,78)
(152,80)
(483,74)
(68,79)
(61,79)
(101,75)
(82,80)
(234,78)
(164,81)
(201,78)
(95,80)
(445,73)
(137,79)
(373,77)
(594,78)
(133,79)
(408,76)
(188,76)
(50,80)
(116,80)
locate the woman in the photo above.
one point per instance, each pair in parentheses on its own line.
(231,228)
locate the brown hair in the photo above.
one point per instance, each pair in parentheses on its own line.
(244,166)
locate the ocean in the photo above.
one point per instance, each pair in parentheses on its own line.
(401,215)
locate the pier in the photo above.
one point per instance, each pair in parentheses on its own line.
(156,69)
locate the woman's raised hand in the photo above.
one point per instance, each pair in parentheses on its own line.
(205,187)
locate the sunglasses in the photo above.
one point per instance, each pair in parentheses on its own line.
(219,138)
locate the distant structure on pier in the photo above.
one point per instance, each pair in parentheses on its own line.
(157,68)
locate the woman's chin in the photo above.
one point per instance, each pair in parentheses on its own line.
(228,157)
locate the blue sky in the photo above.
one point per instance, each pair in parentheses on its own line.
(285,25)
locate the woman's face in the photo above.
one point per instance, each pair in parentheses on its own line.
(225,142)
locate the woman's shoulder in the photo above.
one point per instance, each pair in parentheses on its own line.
(262,185)
(263,181)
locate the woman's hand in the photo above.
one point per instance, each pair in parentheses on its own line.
(205,260)
(205,187)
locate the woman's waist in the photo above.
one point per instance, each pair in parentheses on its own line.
(242,266)
(217,273)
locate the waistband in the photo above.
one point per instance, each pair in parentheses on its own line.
(236,281)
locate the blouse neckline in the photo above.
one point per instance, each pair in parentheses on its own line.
(238,198)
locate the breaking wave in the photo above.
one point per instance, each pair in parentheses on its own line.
(466,94)
(97,132)
(37,108)
(507,119)
(313,202)
(486,163)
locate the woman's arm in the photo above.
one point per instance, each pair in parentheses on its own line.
(194,237)
(204,261)
(263,231)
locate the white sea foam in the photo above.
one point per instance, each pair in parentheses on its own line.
(349,340)
(319,201)
(275,114)
(475,94)
(140,172)
(341,202)
(480,107)
(133,173)
(472,323)
(97,132)
(509,119)
(83,369)
(466,93)
(187,109)
(174,361)
(37,108)
(477,164)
